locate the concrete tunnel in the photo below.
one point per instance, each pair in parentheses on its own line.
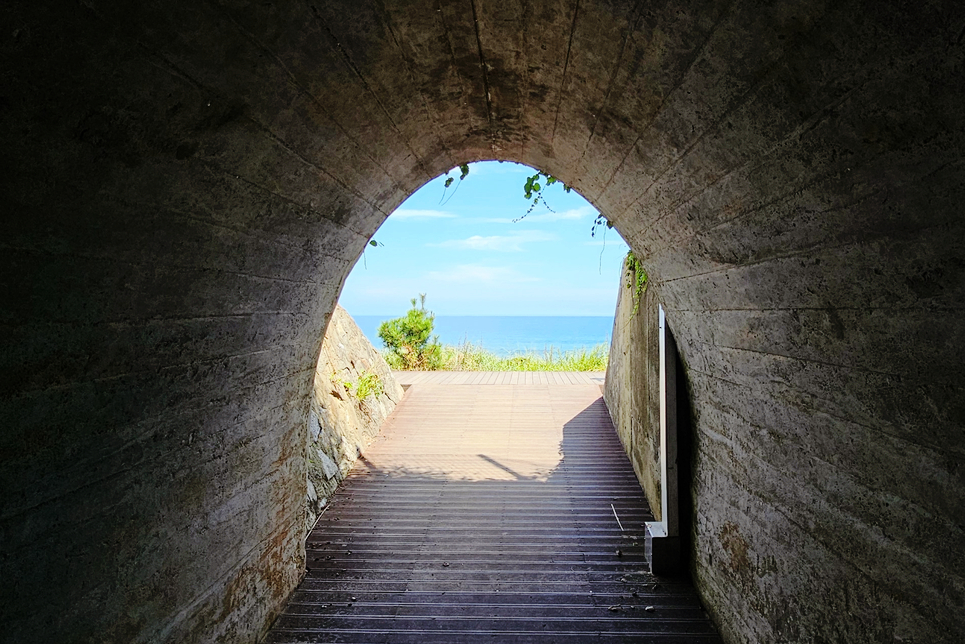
(187,184)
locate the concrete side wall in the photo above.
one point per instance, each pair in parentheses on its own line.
(632,389)
(341,425)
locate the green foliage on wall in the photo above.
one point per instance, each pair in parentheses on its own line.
(368,384)
(636,280)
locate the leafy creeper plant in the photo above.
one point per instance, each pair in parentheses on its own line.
(533,189)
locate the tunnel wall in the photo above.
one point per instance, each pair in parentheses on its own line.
(168,272)
(632,386)
(186,186)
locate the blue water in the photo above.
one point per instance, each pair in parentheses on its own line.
(512,334)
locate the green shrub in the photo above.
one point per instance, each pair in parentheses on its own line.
(409,339)
(410,345)
(467,357)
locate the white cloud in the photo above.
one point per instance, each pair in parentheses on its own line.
(499,243)
(566,215)
(470,273)
(406,213)
(576,213)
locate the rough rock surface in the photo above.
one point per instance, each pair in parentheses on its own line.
(341,425)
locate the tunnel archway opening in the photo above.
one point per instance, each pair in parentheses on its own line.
(479,247)
(415,208)
(490,217)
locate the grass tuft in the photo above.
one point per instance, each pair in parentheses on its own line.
(468,357)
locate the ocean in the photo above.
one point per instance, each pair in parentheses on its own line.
(506,335)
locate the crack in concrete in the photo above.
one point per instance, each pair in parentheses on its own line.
(358,73)
(485,75)
(698,51)
(566,64)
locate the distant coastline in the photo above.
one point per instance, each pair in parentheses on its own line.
(508,335)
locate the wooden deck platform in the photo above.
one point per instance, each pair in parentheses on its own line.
(499,513)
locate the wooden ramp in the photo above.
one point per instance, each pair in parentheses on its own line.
(489,513)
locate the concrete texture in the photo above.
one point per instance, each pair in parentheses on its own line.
(341,424)
(632,389)
(186,185)
(646,396)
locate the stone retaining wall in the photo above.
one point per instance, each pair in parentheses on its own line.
(341,425)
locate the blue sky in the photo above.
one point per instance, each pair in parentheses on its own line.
(462,248)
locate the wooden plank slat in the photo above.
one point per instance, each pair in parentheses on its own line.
(486,513)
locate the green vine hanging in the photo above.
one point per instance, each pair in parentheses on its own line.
(636,280)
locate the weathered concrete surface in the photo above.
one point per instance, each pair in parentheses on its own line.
(632,387)
(185,186)
(341,424)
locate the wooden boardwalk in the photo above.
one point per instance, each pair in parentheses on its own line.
(500,513)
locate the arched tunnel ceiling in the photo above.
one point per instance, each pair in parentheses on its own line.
(188,184)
